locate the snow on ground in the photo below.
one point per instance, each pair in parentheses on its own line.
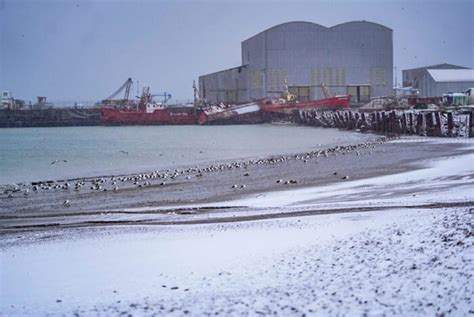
(396,262)
(399,261)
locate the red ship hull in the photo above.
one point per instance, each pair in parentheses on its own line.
(158,117)
(338,102)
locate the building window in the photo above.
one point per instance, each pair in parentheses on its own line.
(328,76)
(256,79)
(301,92)
(377,76)
(359,93)
(231,96)
(276,78)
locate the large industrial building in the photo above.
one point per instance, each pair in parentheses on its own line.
(353,58)
(436,80)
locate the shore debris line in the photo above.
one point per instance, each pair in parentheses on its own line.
(395,122)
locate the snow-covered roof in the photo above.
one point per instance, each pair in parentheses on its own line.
(438,66)
(452,75)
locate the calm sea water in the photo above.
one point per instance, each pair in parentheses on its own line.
(26,154)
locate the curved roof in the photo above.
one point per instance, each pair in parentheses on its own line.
(310,24)
(346,24)
(319,26)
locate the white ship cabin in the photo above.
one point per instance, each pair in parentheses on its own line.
(152,106)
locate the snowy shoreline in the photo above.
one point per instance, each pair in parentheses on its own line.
(239,188)
(409,253)
(398,262)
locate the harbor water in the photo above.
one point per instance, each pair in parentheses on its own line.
(38,154)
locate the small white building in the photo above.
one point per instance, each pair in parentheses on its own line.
(412,77)
(436,82)
(7,100)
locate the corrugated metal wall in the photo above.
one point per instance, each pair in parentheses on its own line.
(430,88)
(228,86)
(253,55)
(412,77)
(308,54)
(442,88)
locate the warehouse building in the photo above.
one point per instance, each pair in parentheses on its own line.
(412,77)
(436,80)
(353,58)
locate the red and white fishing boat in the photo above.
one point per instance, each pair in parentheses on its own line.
(147,112)
(289,102)
(332,103)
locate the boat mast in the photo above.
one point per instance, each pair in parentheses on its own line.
(197,99)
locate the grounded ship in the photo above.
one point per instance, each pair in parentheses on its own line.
(331,103)
(225,114)
(254,112)
(288,102)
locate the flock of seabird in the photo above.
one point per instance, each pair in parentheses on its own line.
(159,178)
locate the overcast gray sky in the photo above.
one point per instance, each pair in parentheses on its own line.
(84,50)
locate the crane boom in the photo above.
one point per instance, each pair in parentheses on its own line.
(126,86)
(129,84)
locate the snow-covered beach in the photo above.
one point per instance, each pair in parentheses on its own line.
(382,242)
